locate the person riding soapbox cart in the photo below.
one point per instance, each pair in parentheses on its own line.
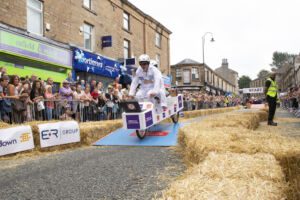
(140,116)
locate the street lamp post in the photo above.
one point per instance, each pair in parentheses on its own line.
(203,42)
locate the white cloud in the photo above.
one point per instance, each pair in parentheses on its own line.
(247,32)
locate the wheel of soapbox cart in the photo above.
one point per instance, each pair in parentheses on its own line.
(175,118)
(141,133)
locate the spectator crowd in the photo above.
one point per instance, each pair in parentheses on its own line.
(25,99)
(291,100)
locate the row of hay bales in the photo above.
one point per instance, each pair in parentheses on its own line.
(228,159)
(90,132)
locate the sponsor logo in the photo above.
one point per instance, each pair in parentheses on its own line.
(69,131)
(153,134)
(47,134)
(133,122)
(149,119)
(25,137)
(4,143)
(80,57)
(180,101)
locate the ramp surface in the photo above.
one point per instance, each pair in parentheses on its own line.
(158,135)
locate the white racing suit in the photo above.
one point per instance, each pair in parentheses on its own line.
(151,82)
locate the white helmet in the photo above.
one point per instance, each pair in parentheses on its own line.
(144,58)
(154,63)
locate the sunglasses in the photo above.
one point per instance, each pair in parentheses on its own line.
(144,63)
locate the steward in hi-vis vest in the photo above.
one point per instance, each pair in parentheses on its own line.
(271,97)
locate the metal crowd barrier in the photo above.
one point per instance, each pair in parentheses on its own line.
(48,110)
(198,105)
(17,111)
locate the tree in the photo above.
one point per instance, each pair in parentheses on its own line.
(263,73)
(244,82)
(279,58)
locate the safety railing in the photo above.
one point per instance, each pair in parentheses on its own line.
(18,111)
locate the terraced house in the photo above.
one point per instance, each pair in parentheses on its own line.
(54,37)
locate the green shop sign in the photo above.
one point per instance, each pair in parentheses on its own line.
(34,49)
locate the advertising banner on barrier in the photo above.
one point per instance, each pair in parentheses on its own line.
(59,133)
(258,90)
(15,139)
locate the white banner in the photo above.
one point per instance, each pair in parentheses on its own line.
(15,139)
(253,90)
(53,134)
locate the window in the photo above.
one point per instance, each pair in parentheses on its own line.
(126,23)
(195,73)
(35,16)
(158,39)
(87,4)
(186,77)
(178,73)
(126,47)
(158,60)
(87,36)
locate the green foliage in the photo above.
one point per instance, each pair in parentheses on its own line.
(244,82)
(279,58)
(262,73)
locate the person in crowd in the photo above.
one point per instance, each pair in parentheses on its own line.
(271,96)
(53,86)
(37,97)
(32,79)
(18,103)
(76,106)
(5,103)
(109,97)
(49,101)
(66,93)
(70,78)
(93,84)
(100,88)
(101,107)
(86,98)
(149,78)
(2,71)
(25,96)
(82,83)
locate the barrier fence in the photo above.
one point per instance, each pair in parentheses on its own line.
(18,111)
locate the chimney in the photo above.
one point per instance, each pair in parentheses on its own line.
(224,63)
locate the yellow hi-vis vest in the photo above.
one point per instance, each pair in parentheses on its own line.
(272,90)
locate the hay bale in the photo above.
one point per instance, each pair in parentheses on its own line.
(198,113)
(198,142)
(231,176)
(89,133)
(93,131)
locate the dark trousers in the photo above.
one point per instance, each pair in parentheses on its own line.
(272,107)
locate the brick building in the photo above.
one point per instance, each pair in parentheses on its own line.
(194,76)
(229,74)
(82,24)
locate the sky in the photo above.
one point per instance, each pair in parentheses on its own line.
(246,32)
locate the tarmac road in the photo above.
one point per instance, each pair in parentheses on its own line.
(91,173)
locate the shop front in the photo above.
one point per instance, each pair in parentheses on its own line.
(89,66)
(24,56)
